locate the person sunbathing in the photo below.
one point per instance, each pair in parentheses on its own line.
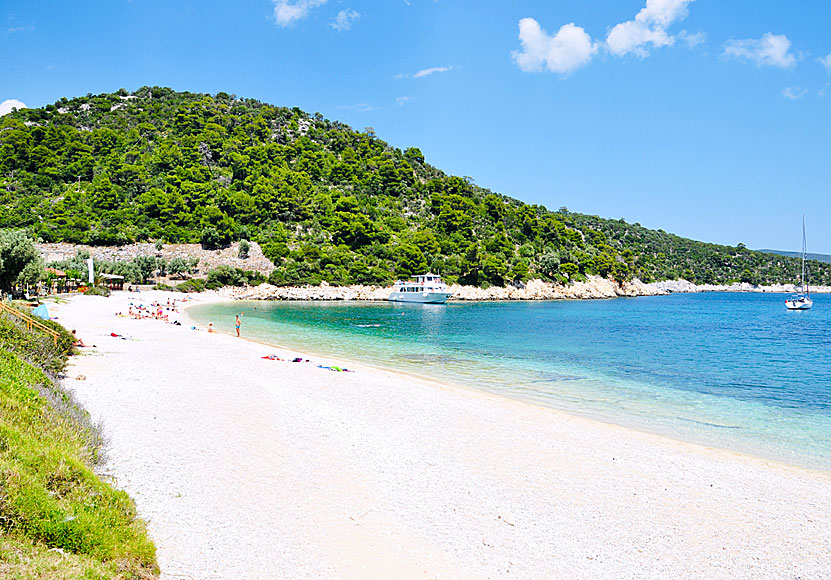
(78,341)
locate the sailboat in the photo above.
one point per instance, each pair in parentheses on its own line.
(801,301)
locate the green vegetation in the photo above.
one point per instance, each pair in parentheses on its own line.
(57,518)
(324,201)
(97,291)
(136,271)
(20,262)
(217,278)
(818,257)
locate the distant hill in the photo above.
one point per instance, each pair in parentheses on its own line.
(324,201)
(818,257)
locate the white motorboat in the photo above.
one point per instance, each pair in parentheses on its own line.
(801,301)
(426,289)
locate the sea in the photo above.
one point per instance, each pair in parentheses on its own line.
(736,371)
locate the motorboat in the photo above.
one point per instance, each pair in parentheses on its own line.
(425,289)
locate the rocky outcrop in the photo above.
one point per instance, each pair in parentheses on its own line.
(322,292)
(593,288)
(685,286)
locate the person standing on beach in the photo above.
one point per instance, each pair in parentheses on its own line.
(238,323)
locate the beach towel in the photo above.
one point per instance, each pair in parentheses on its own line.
(336,369)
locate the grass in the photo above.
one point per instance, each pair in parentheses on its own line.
(58,519)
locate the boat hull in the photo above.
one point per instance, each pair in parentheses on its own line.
(798,305)
(420,297)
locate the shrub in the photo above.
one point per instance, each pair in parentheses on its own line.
(97,291)
(244,249)
(195,285)
(213,239)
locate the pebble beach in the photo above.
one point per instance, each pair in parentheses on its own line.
(252,467)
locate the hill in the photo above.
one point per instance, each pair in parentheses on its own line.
(818,257)
(324,201)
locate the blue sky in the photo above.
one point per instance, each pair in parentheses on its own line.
(705,118)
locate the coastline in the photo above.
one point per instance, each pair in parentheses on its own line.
(387,460)
(595,288)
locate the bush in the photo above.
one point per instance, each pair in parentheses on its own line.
(213,239)
(275,251)
(36,346)
(97,291)
(228,276)
(244,249)
(195,285)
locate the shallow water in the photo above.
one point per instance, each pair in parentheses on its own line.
(736,371)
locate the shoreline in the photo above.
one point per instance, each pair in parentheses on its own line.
(441,382)
(392,460)
(595,288)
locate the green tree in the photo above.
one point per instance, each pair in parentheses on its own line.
(20,260)
(244,249)
(145,267)
(410,261)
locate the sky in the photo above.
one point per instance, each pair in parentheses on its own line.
(710,119)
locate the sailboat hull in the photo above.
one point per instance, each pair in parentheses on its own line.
(799,304)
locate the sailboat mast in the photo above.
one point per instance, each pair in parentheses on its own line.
(804,248)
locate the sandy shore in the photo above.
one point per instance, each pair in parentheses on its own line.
(248,468)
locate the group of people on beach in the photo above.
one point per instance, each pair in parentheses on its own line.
(156,311)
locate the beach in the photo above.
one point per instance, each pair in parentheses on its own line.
(246,467)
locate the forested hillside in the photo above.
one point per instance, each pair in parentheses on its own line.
(325,202)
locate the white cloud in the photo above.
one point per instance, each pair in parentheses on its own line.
(9,104)
(345,19)
(794,93)
(287,12)
(360,107)
(571,47)
(401,101)
(770,50)
(826,62)
(692,39)
(563,52)
(426,72)
(436,69)
(648,28)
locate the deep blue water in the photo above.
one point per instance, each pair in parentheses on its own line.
(737,371)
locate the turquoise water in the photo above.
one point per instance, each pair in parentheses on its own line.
(735,371)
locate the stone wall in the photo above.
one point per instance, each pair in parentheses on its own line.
(208,259)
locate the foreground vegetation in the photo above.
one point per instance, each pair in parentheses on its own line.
(57,518)
(324,201)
